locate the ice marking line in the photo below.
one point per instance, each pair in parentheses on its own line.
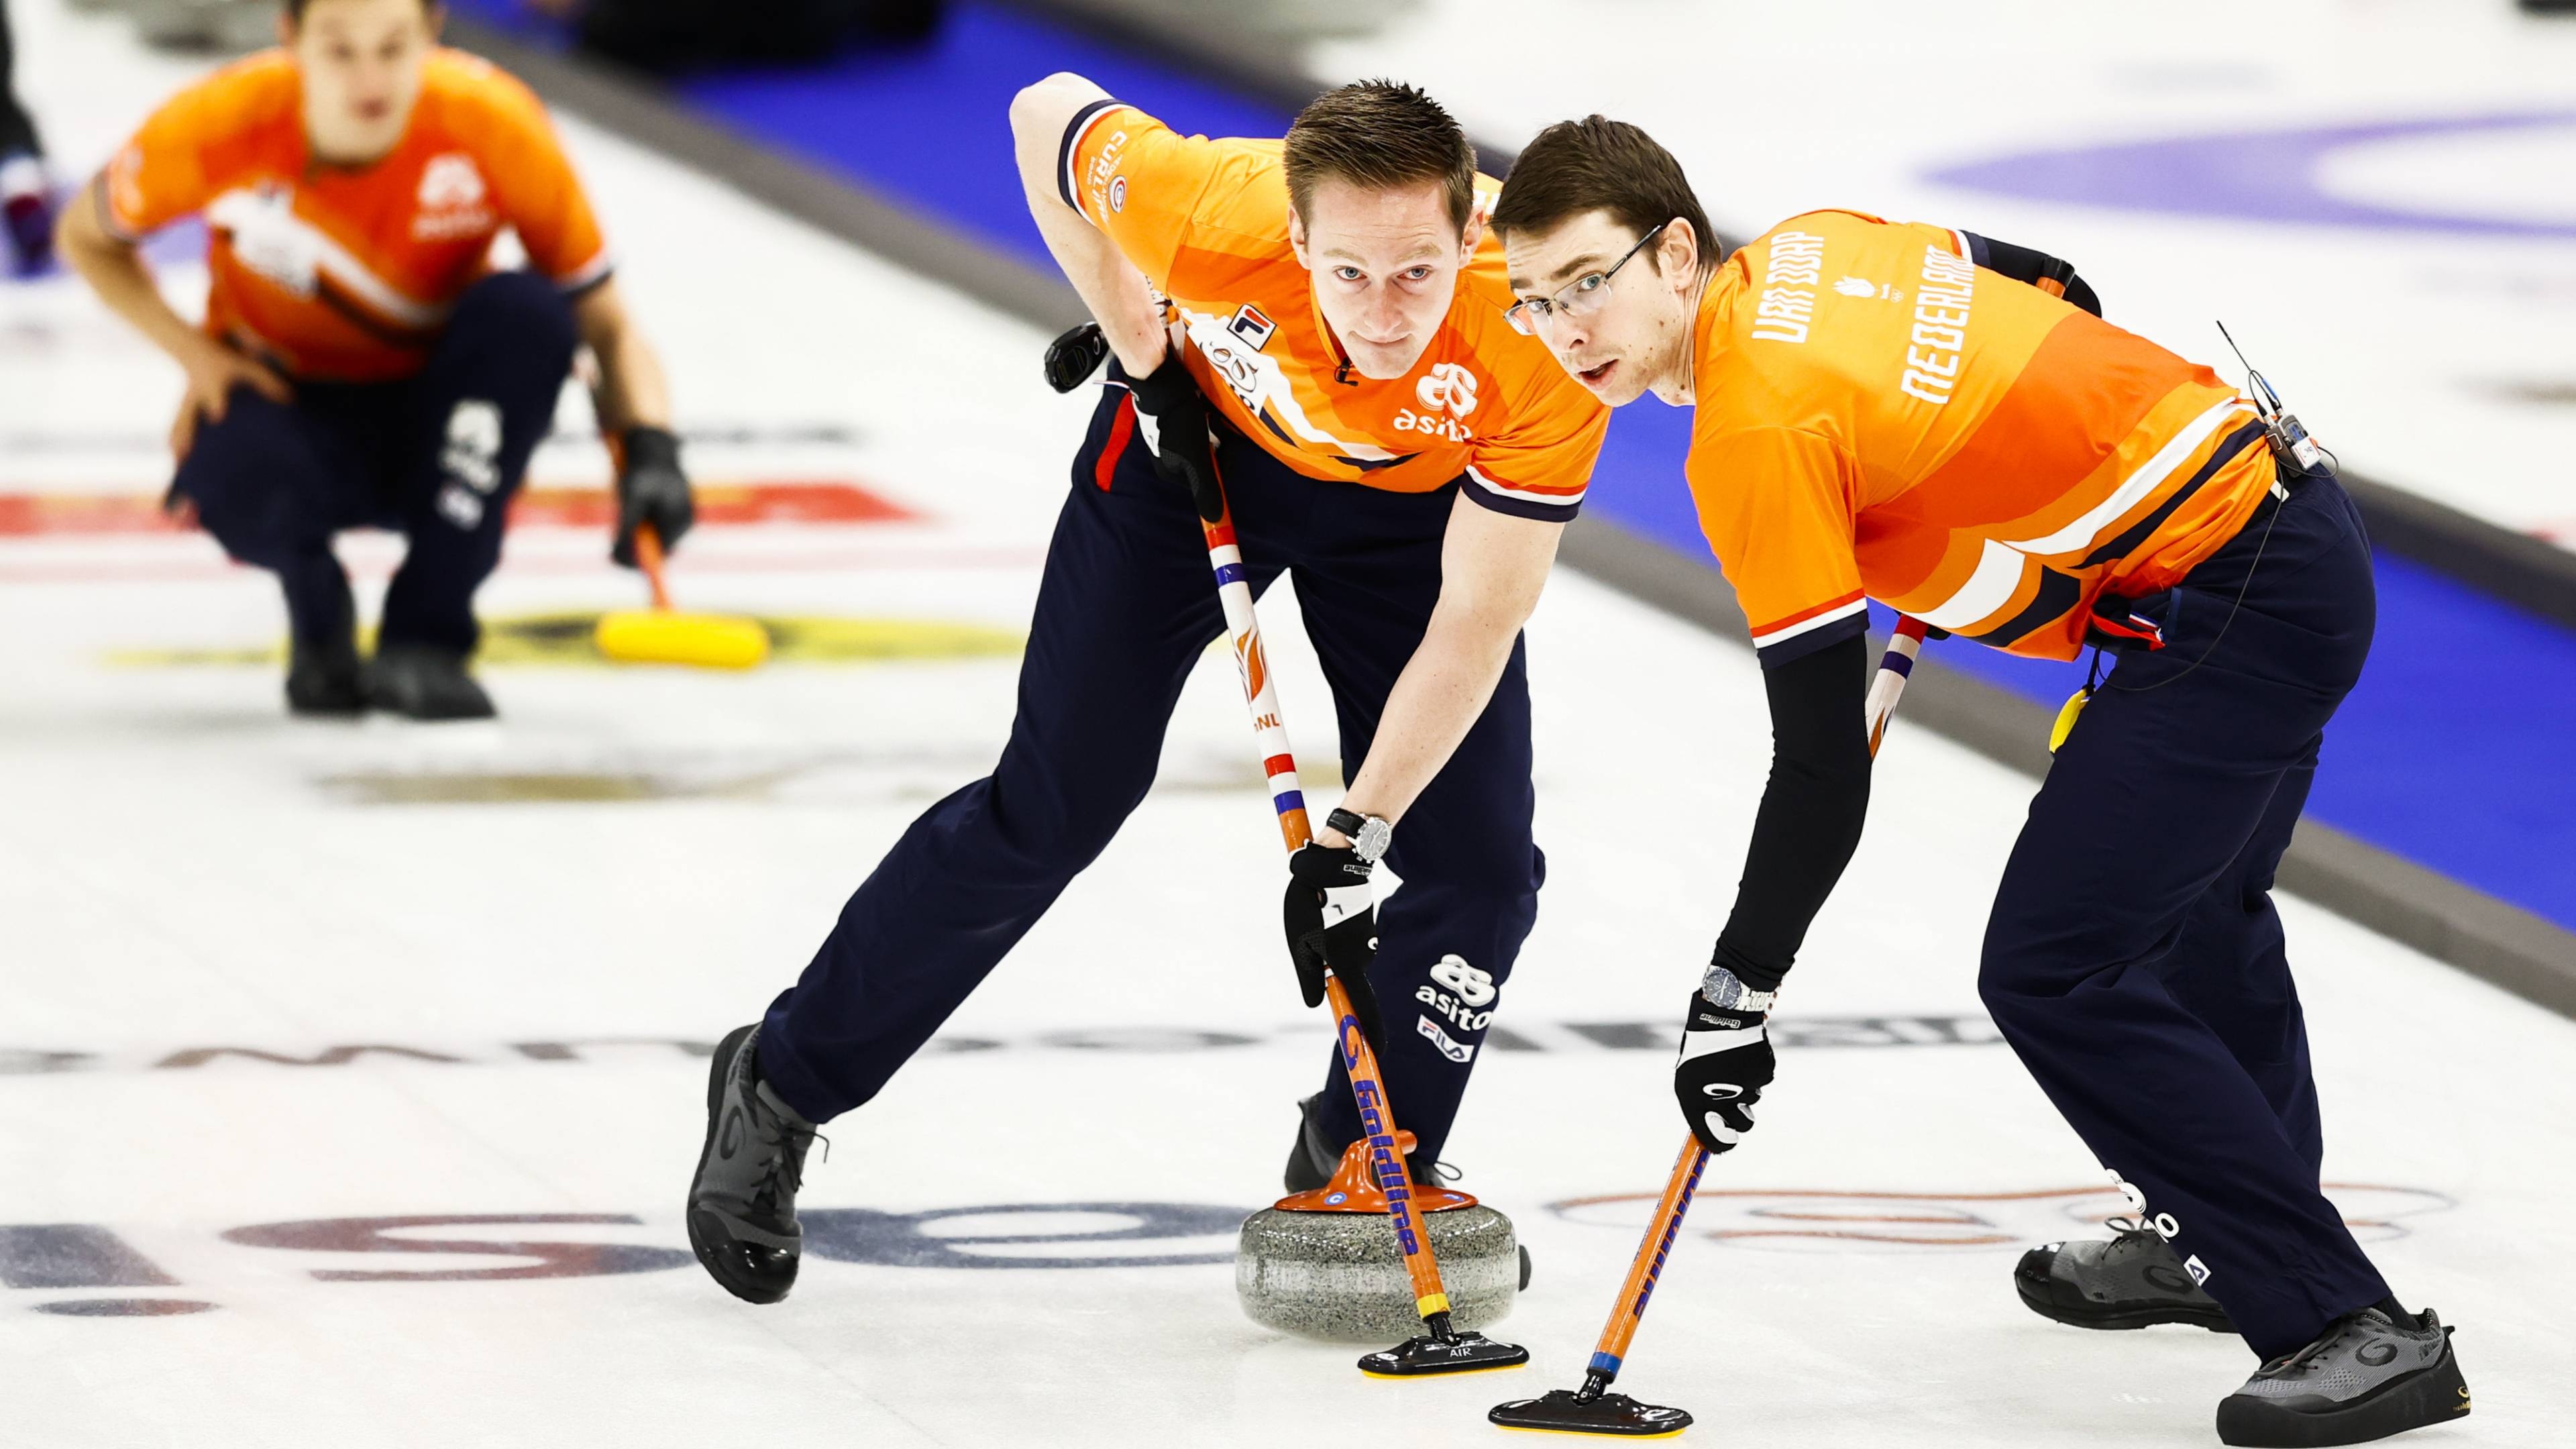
(1867,1033)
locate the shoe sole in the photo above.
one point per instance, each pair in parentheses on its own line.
(708,1254)
(2435,1395)
(2039,1300)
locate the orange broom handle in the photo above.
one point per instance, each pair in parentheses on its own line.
(648,556)
(1894,668)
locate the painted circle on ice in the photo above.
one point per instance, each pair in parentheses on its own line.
(123,1307)
(2477,175)
(1788,1220)
(1028,1235)
(565,639)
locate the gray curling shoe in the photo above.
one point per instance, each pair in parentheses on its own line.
(742,1204)
(2132,1281)
(2370,1376)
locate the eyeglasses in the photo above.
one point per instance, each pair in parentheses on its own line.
(1581,297)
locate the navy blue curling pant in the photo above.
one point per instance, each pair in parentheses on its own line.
(436,456)
(1124,611)
(2134,958)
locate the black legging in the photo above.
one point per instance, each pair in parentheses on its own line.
(17,128)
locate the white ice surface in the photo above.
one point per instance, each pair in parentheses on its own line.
(2423,357)
(181,868)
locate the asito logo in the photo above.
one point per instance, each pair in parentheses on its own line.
(1448,387)
(1469,991)
(1474,987)
(449,182)
(451,199)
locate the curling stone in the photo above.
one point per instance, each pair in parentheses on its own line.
(1324,1264)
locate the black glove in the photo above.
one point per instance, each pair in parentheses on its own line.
(1323,882)
(1075,355)
(651,489)
(1173,416)
(1725,1063)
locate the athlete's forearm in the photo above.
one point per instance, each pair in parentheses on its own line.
(631,391)
(114,270)
(1110,286)
(1117,293)
(1493,567)
(1812,809)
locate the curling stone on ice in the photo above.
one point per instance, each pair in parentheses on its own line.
(1324,1264)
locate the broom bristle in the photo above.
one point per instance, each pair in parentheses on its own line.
(703,641)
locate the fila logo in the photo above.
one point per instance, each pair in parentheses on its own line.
(1250,325)
(1447,385)
(450,183)
(1450,1047)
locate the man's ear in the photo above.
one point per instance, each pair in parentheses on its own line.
(437,22)
(1297,238)
(1472,237)
(1677,252)
(285,28)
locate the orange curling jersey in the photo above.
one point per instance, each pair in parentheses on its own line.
(1878,417)
(1207,223)
(348,273)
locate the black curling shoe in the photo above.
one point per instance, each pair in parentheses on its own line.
(423,682)
(742,1204)
(323,680)
(2132,1281)
(2370,1376)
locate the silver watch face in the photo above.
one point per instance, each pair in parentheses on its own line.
(1374,837)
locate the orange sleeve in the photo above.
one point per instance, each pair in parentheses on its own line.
(1776,507)
(1540,463)
(537,192)
(1135,179)
(162,173)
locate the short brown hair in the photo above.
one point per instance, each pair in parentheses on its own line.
(1598,164)
(295,9)
(1380,134)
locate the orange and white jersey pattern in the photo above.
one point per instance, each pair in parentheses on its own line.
(1877,417)
(1207,223)
(348,273)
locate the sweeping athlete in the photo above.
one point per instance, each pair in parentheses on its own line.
(361,362)
(1334,347)
(1908,413)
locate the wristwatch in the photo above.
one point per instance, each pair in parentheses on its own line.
(1722,989)
(1370,835)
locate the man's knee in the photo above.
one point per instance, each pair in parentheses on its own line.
(520,312)
(253,507)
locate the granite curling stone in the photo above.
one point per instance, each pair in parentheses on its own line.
(1324,1264)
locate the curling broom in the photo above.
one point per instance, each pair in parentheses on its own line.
(665,635)
(1592,1409)
(1440,1348)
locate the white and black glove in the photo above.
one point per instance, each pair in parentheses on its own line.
(1172,416)
(1331,916)
(1725,1063)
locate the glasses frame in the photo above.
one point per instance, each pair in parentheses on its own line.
(1530,314)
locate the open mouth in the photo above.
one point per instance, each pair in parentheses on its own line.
(1595,376)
